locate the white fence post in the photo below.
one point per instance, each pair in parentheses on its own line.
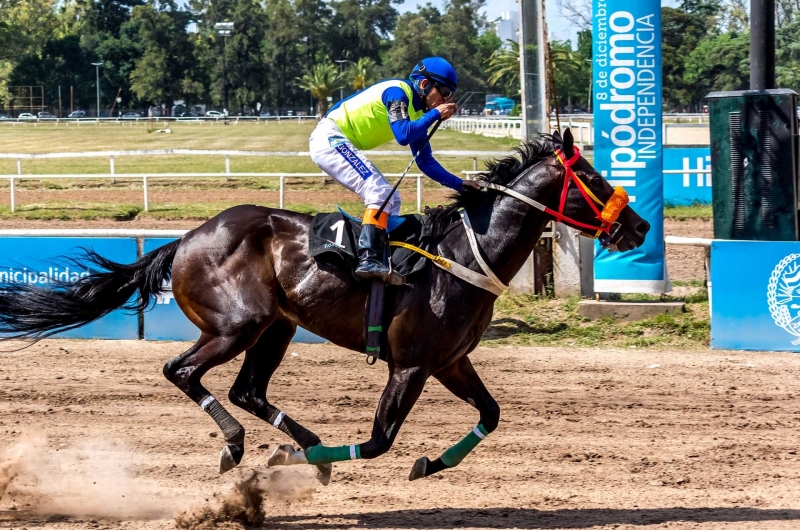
(111,162)
(227,166)
(13,187)
(280,199)
(144,186)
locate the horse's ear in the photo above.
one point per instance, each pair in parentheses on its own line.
(568,144)
(557,137)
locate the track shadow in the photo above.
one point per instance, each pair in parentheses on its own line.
(502,328)
(529,518)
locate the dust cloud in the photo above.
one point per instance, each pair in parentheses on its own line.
(91,478)
(242,504)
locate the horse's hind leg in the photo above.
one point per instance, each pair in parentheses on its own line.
(402,391)
(186,371)
(461,379)
(249,391)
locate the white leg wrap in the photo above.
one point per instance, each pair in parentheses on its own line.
(353,452)
(478,433)
(278,420)
(208,400)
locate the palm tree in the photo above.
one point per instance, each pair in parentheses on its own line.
(323,80)
(361,74)
(503,66)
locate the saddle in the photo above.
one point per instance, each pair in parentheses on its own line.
(334,238)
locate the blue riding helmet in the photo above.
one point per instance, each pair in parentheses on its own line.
(436,70)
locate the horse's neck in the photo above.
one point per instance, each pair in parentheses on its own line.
(506,232)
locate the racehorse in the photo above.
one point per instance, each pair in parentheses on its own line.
(245,279)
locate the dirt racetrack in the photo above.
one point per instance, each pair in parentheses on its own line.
(587,439)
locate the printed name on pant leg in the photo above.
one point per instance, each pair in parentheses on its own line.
(354,161)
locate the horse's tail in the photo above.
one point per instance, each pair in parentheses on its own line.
(34,312)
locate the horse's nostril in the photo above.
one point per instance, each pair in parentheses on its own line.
(642,227)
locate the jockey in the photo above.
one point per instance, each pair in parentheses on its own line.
(395,109)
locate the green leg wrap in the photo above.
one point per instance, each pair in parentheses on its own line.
(453,456)
(319,454)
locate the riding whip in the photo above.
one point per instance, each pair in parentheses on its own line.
(413,159)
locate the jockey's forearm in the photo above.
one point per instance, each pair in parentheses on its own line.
(433,169)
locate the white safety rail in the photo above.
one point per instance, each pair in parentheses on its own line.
(232,152)
(582,126)
(145,177)
(227,153)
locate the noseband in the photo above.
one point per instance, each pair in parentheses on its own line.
(607,214)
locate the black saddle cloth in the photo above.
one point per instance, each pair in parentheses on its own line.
(334,238)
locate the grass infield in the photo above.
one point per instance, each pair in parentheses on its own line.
(177,198)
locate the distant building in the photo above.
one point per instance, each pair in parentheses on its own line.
(508,26)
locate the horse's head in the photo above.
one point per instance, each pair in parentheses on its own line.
(587,202)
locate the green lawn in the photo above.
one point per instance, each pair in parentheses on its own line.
(541,321)
(289,136)
(696,211)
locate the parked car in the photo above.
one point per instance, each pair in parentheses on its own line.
(77,114)
(45,115)
(187,114)
(131,115)
(264,114)
(4,117)
(213,114)
(26,116)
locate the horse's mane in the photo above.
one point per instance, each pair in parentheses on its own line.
(503,171)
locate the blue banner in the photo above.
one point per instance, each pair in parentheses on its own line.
(628,144)
(687,188)
(166,321)
(755,295)
(35,260)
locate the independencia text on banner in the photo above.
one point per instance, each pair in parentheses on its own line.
(628,143)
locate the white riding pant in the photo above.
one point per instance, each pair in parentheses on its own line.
(339,158)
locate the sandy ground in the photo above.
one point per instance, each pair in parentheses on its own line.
(587,439)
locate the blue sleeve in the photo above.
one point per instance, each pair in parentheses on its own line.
(431,167)
(406,131)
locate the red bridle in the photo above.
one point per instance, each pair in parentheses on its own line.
(591,198)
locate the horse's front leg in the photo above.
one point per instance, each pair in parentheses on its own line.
(402,391)
(461,379)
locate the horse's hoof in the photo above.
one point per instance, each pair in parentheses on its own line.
(286,455)
(229,457)
(419,468)
(324,473)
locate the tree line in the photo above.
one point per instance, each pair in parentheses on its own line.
(283,53)
(280,51)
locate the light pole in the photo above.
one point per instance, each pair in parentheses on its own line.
(97,85)
(224,30)
(341,73)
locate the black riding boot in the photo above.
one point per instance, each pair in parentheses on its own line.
(371,250)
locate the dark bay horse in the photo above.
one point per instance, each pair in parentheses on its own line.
(245,279)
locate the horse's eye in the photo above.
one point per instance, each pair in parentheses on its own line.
(596,181)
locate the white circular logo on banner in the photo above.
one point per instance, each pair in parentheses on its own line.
(783,295)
